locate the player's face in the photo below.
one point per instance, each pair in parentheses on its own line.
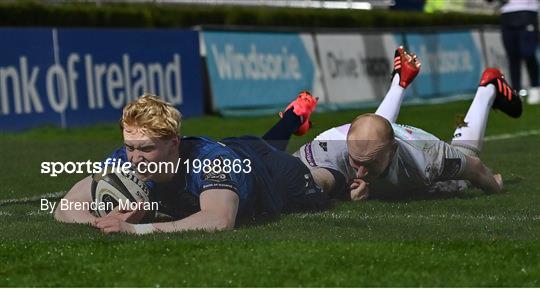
(143,150)
(371,166)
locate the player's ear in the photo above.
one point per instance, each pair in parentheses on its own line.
(173,144)
(175,141)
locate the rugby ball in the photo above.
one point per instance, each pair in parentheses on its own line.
(115,188)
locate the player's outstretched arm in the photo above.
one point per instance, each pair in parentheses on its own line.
(481,176)
(218,212)
(80,192)
(323,178)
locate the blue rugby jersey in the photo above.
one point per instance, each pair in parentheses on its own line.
(179,197)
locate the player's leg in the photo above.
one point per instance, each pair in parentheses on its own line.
(529,41)
(406,67)
(511,46)
(493,92)
(295,120)
(528,38)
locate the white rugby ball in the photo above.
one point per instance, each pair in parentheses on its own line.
(113,187)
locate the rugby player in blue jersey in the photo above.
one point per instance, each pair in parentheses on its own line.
(266,182)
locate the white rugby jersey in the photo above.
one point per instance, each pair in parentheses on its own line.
(420,161)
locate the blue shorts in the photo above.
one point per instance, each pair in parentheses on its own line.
(284,184)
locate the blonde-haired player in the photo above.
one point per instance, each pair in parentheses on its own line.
(258,180)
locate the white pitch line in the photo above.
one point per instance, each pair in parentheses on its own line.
(512,135)
(51,195)
(348,215)
(37,213)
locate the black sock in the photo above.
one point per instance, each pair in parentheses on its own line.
(532,67)
(280,134)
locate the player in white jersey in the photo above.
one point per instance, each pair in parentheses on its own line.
(414,165)
(375,156)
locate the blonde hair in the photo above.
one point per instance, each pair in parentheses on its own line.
(155,117)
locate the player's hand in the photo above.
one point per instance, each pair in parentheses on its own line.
(499,180)
(359,190)
(110,225)
(130,216)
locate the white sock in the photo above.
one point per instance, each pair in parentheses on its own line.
(389,107)
(471,136)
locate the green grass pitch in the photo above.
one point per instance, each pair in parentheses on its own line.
(468,239)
